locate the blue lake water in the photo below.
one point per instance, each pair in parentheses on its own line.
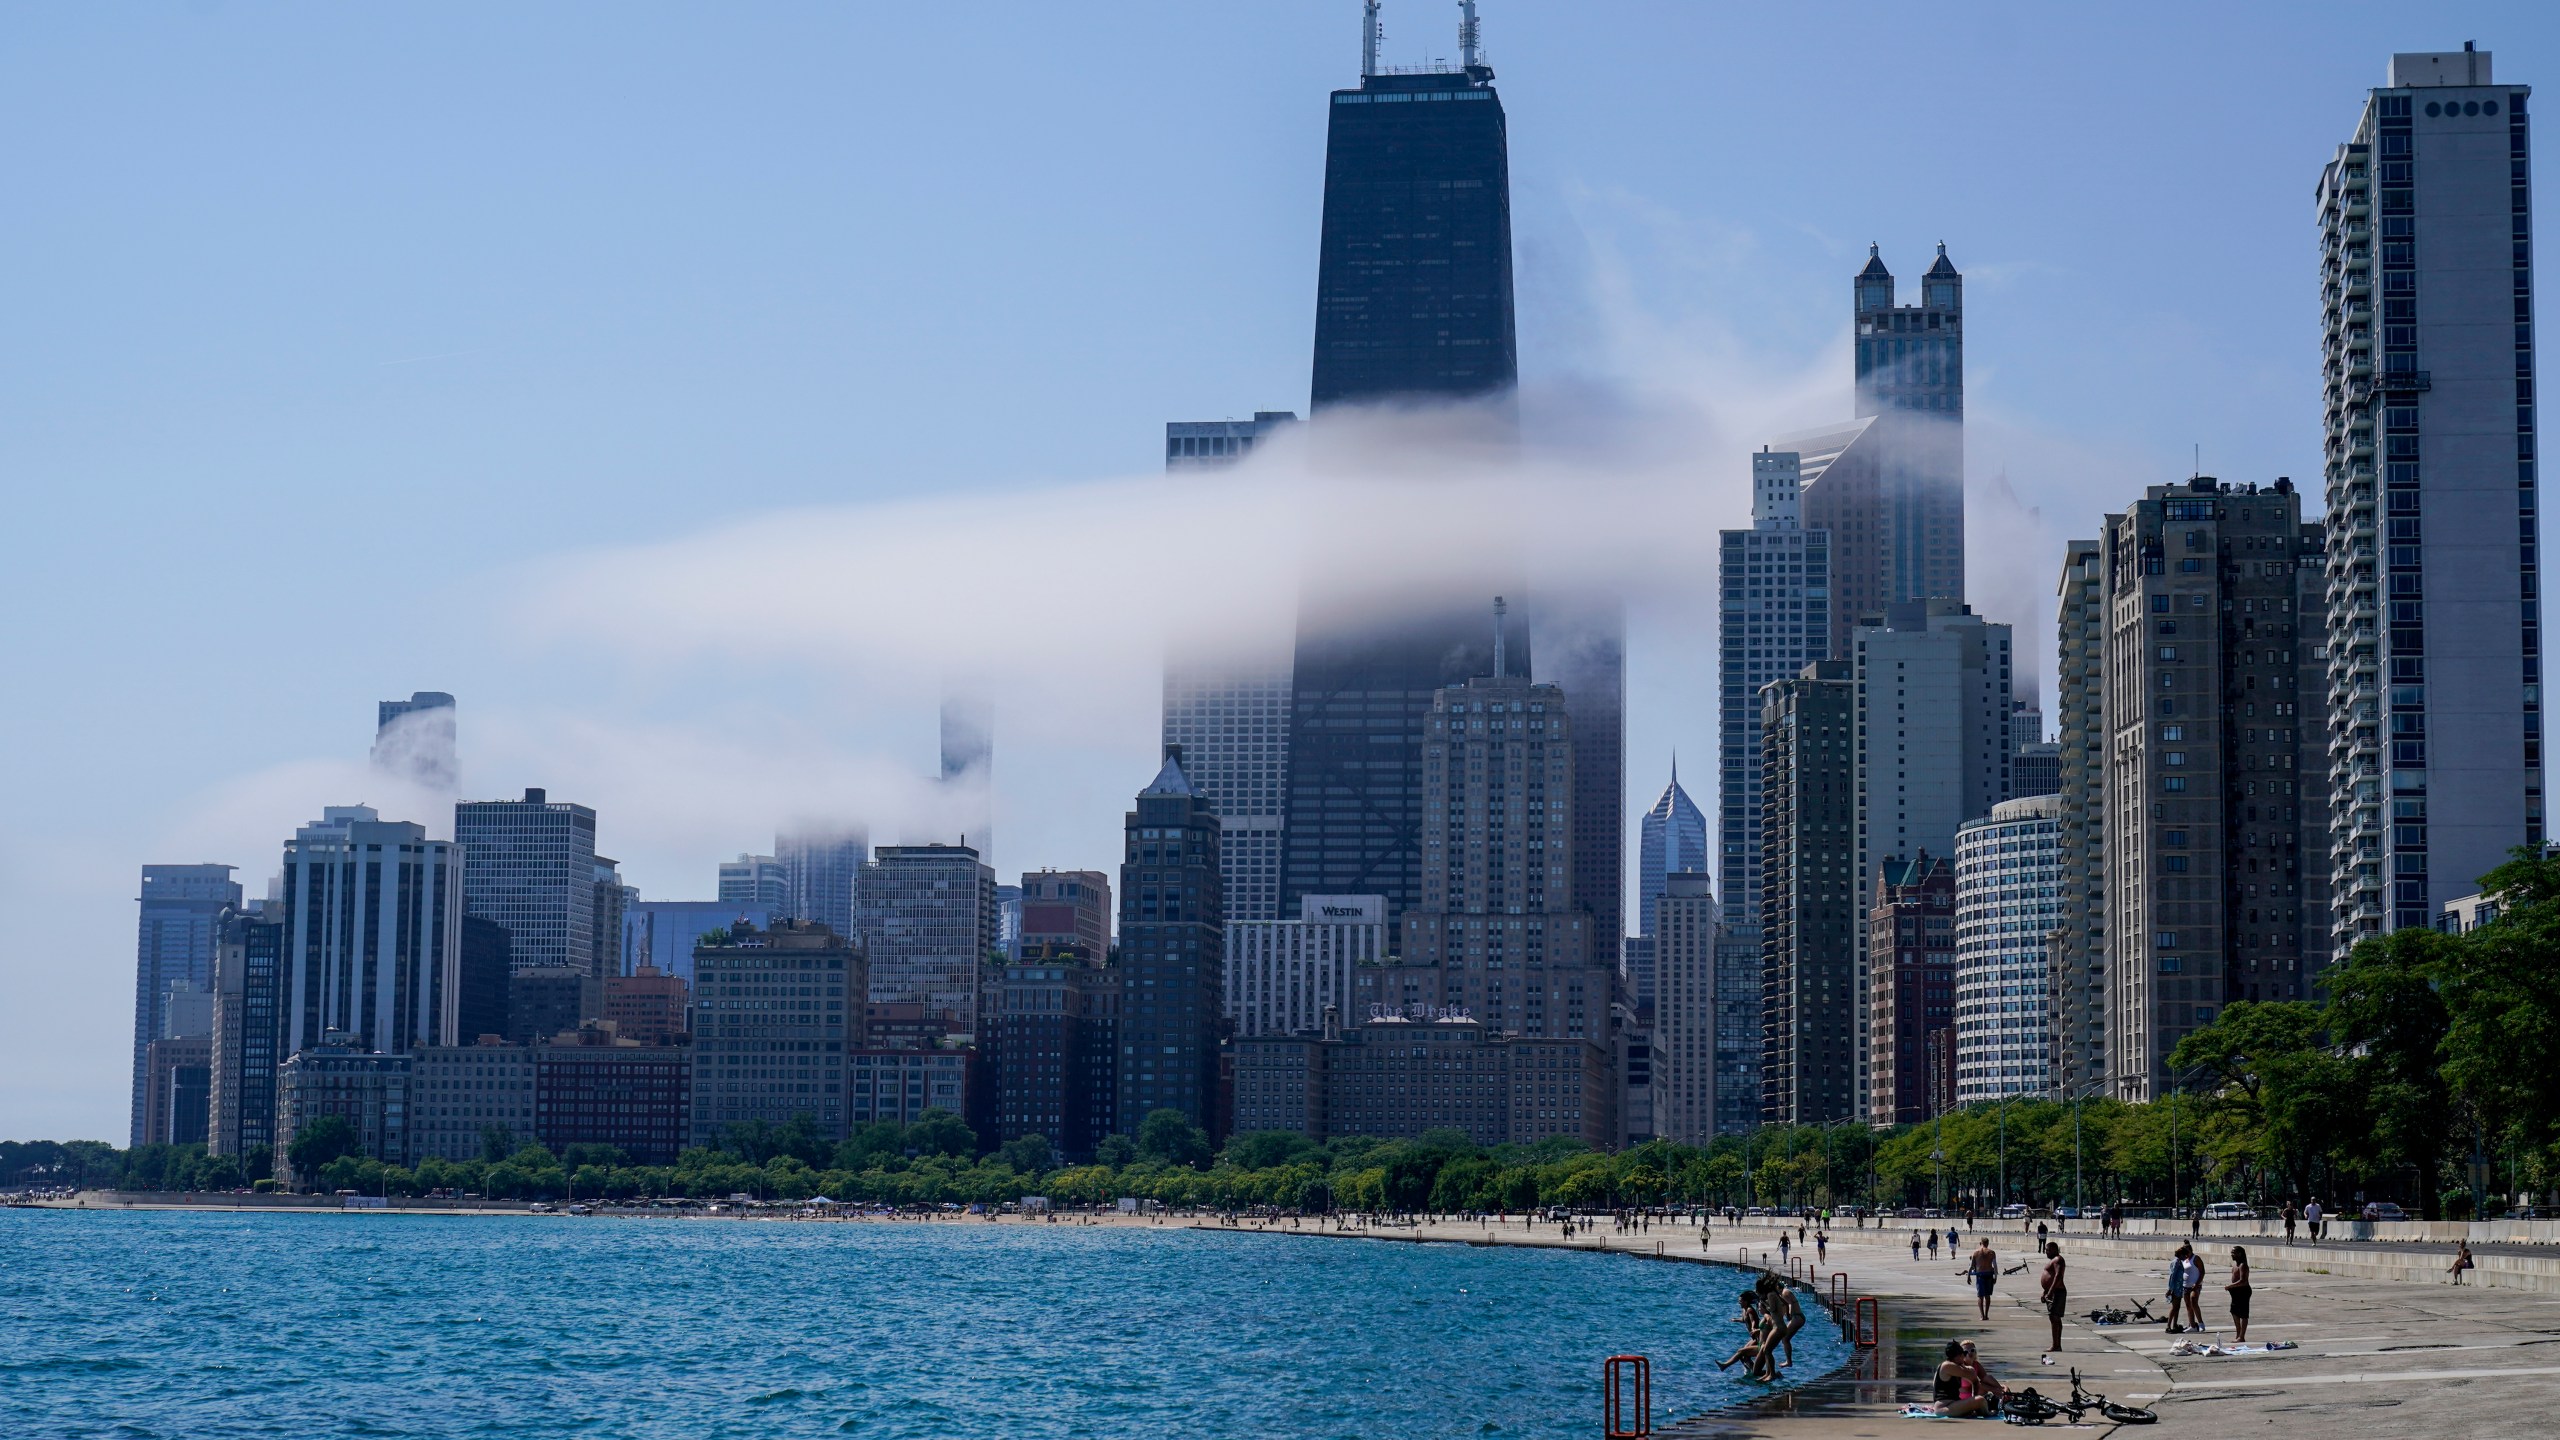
(180,1324)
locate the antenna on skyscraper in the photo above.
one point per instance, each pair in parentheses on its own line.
(1470,46)
(1369,34)
(1499,610)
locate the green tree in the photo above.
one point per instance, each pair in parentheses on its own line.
(2501,985)
(802,1140)
(497,1142)
(1028,1155)
(1114,1152)
(1168,1135)
(939,1132)
(874,1143)
(2385,1008)
(325,1139)
(1267,1149)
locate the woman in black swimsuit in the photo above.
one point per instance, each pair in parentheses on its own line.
(1947,1393)
(2238,1289)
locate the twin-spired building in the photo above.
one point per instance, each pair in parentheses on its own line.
(2008,901)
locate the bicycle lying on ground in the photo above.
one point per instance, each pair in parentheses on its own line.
(2026,1407)
(2140,1314)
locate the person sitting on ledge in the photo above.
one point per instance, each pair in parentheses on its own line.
(1983,1382)
(1953,1394)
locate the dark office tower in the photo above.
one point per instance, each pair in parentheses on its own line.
(413,739)
(1911,985)
(1811,940)
(1046,1030)
(530,865)
(1413,303)
(552,1000)
(2434,607)
(247,1019)
(1413,281)
(182,909)
(1172,955)
(485,970)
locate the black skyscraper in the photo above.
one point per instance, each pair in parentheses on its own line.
(1413,286)
(1413,301)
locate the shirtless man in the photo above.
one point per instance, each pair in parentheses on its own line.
(1985,1270)
(2056,1295)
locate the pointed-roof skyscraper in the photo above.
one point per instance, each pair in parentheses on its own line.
(1674,841)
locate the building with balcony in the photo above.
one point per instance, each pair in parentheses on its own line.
(2433,607)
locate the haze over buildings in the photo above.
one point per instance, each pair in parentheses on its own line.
(1457,778)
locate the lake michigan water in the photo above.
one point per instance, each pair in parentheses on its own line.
(144,1324)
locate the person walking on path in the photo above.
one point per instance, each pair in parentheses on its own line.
(1915,1245)
(1782,1247)
(1933,1243)
(2056,1294)
(2311,1217)
(1821,1247)
(1986,1274)
(2288,1222)
(2177,1289)
(2238,1289)
(2461,1260)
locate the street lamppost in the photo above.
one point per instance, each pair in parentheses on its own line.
(1938,1157)
(2004,1152)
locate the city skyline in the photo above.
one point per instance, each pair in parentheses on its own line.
(215,814)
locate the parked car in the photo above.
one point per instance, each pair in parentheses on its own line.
(2013,1212)
(2230,1210)
(2383,1210)
(2066,1212)
(2534,1212)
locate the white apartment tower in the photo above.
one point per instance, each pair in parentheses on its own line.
(2009,881)
(1775,617)
(1686,992)
(2434,661)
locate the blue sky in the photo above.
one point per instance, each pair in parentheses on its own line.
(345,344)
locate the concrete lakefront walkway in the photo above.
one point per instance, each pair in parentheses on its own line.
(2387,1357)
